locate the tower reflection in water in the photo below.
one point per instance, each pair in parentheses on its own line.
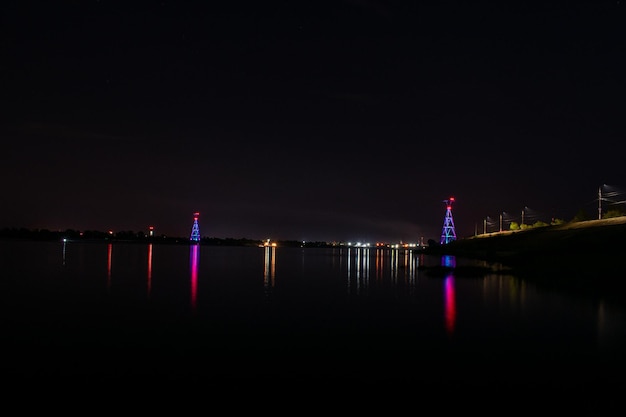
(449,298)
(194,252)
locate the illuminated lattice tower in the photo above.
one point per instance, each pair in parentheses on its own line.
(195,230)
(448,234)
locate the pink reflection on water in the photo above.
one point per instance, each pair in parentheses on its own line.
(193,266)
(450,303)
(149,269)
(449,296)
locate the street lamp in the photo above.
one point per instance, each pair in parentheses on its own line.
(599,203)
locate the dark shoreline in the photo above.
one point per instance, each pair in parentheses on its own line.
(583,257)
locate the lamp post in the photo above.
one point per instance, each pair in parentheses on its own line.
(599,203)
(500,222)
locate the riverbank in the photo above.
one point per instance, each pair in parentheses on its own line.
(584,257)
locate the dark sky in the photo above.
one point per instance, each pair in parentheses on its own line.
(344,120)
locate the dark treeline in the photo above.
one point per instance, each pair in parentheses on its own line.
(130,236)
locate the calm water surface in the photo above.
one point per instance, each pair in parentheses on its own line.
(165,311)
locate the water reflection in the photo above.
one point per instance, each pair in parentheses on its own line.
(449,297)
(502,320)
(149,269)
(194,251)
(394,265)
(448,260)
(403,266)
(506,289)
(109,264)
(64,244)
(269,271)
(389,269)
(450,303)
(379,264)
(400,266)
(358,269)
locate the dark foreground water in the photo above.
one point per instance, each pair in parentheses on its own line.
(161,313)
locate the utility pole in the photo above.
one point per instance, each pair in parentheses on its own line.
(599,203)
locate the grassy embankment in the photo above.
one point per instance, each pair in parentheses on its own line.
(586,257)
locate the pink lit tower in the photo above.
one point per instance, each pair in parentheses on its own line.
(195,230)
(448,234)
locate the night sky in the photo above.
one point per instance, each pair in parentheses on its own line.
(319,121)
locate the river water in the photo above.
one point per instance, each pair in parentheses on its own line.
(161,312)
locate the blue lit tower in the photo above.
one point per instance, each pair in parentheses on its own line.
(448,234)
(195,230)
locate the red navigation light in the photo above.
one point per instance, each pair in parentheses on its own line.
(451,198)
